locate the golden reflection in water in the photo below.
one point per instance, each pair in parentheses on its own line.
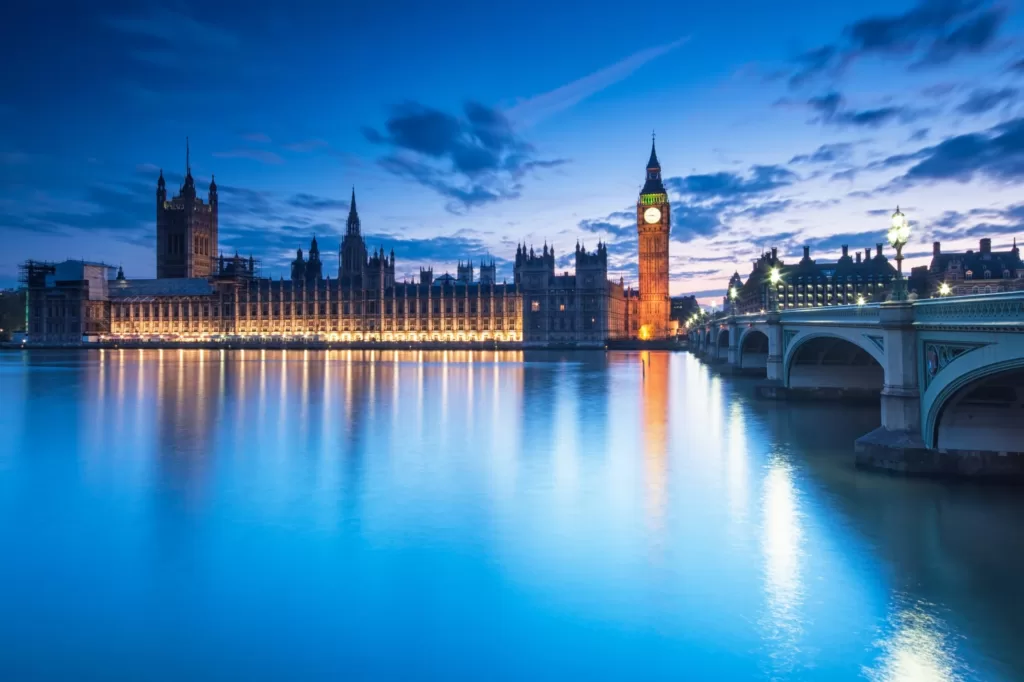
(655,380)
(179,399)
(782,540)
(304,398)
(916,650)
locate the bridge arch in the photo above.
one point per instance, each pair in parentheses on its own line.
(976,402)
(834,361)
(752,349)
(722,344)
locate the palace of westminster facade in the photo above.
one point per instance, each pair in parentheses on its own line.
(199,294)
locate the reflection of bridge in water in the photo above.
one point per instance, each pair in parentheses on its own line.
(949,374)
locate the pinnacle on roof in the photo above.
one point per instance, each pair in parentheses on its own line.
(353,215)
(653,161)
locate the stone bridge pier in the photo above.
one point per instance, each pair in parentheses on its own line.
(947,374)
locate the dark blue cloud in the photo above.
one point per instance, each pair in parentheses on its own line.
(315,203)
(983,100)
(831,109)
(978,222)
(932,32)
(857,241)
(727,185)
(765,209)
(826,153)
(973,36)
(690,221)
(473,160)
(996,154)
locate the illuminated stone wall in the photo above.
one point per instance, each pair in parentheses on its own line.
(267,308)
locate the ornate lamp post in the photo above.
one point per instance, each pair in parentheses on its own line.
(944,289)
(774,277)
(733,295)
(899,235)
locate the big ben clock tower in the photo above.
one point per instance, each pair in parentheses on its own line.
(653,223)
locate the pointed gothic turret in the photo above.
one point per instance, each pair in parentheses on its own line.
(653,161)
(161,191)
(190,184)
(653,184)
(352,227)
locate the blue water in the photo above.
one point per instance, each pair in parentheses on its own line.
(199,515)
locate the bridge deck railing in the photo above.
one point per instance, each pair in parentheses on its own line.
(998,310)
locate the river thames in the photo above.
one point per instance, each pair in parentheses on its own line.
(328,515)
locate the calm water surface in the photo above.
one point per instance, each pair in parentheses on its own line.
(171,515)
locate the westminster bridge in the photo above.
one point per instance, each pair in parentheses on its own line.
(949,373)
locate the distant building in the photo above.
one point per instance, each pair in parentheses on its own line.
(186,229)
(67,301)
(976,272)
(809,284)
(580,309)
(12,312)
(682,308)
(732,289)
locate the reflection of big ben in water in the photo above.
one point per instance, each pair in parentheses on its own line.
(655,428)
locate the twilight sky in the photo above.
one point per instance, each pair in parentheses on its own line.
(466,127)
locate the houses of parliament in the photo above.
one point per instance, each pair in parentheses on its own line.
(200,294)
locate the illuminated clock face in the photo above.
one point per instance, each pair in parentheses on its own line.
(652,215)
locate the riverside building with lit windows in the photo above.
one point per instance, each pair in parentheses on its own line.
(363,303)
(860,278)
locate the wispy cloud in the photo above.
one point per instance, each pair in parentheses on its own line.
(174,28)
(261,155)
(536,109)
(306,145)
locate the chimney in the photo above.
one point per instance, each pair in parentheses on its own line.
(846,251)
(936,248)
(878,250)
(858,256)
(867,254)
(986,245)
(807,253)
(775,254)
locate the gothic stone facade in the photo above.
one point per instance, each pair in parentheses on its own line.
(584,309)
(654,224)
(186,230)
(199,295)
(364,303)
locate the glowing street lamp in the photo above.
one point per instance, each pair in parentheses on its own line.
(944,289)
(899,235)
(860,299)
(774,276)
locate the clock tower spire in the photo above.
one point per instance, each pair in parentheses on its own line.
(653,224)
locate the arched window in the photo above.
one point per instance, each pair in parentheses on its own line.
(974,290)
(969,274)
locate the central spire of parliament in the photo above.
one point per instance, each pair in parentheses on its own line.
(353,216)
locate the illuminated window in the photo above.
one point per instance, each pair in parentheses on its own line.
(535,306)
(561,307)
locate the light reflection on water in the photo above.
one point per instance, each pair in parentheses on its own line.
(466,515)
